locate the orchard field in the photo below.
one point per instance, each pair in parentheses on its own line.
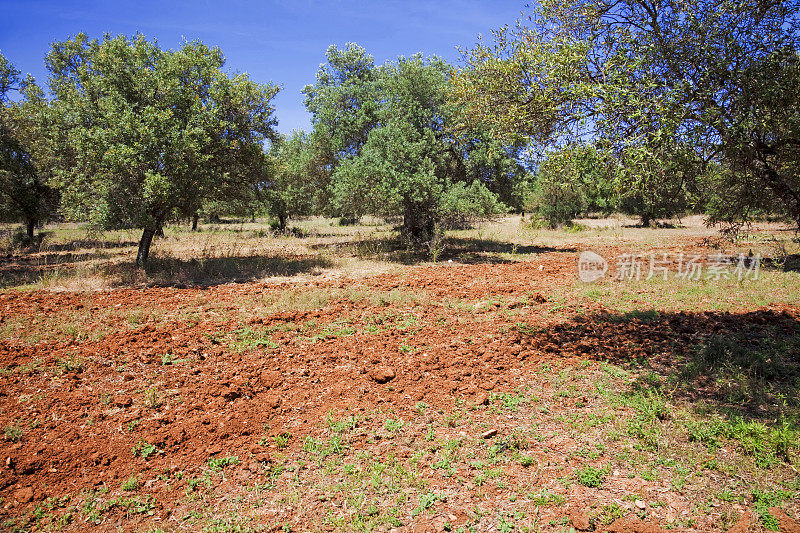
(326,379)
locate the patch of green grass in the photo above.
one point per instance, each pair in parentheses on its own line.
(509,401)
(131,484)
(763,501)
(647,316)
(249,338)
(765,444)
(71,364)
(650,409)
(342,425)
(755,367)
(153,398)
(393,426)
(282,440)
(321,450)
(426,501)
(216,464)
(592,477)
(136,505)
(12,432)
(545,498)
(144,449)
(610,512)
(169,359)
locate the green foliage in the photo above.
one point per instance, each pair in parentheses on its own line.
(144,449)
(578,179)
(677,91)
(763,501)
(12,433)
(650,409)
(149,132)
(292,187)
(426,501)
(392,151)
(131,484)
(464,203)
(545,497)
(592,477)
(25,168)
(216,464)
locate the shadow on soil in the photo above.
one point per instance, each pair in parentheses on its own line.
(220,270)
(742,365)
(90,244)
(171,272)
(462,250)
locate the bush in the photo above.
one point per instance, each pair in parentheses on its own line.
(463,204)
(592,477)
(557,203)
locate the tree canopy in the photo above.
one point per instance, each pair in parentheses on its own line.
(24,166)
(151,131)
(682,87)
(394,150)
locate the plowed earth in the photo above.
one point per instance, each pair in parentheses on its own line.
(156,384)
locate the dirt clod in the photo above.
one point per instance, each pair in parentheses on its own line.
(123,401)
(24,495)
(579,520)
(273,401)
(787,523)
(382,374)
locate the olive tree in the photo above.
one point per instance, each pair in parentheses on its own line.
(672,86)
(150,131)
(397,152)
(25,168)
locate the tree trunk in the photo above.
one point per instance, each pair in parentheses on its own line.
(144,247)
(282,221)
(418,226)
(160,231)
(785,193)
(30,226)
(195,219)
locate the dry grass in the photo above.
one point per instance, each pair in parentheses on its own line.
(73,257)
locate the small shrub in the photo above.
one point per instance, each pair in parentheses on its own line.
(592,477)
(12,433)
(215,464)
(144,449)
(131,485)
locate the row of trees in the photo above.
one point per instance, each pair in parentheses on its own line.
(132,136)
(693,103)
(652,107)
(135,135)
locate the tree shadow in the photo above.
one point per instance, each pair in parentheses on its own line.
(476,251)
(172,272)
(791,263)
(95,244)
(740,364)
(459,249)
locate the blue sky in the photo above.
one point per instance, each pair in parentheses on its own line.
(279,41)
